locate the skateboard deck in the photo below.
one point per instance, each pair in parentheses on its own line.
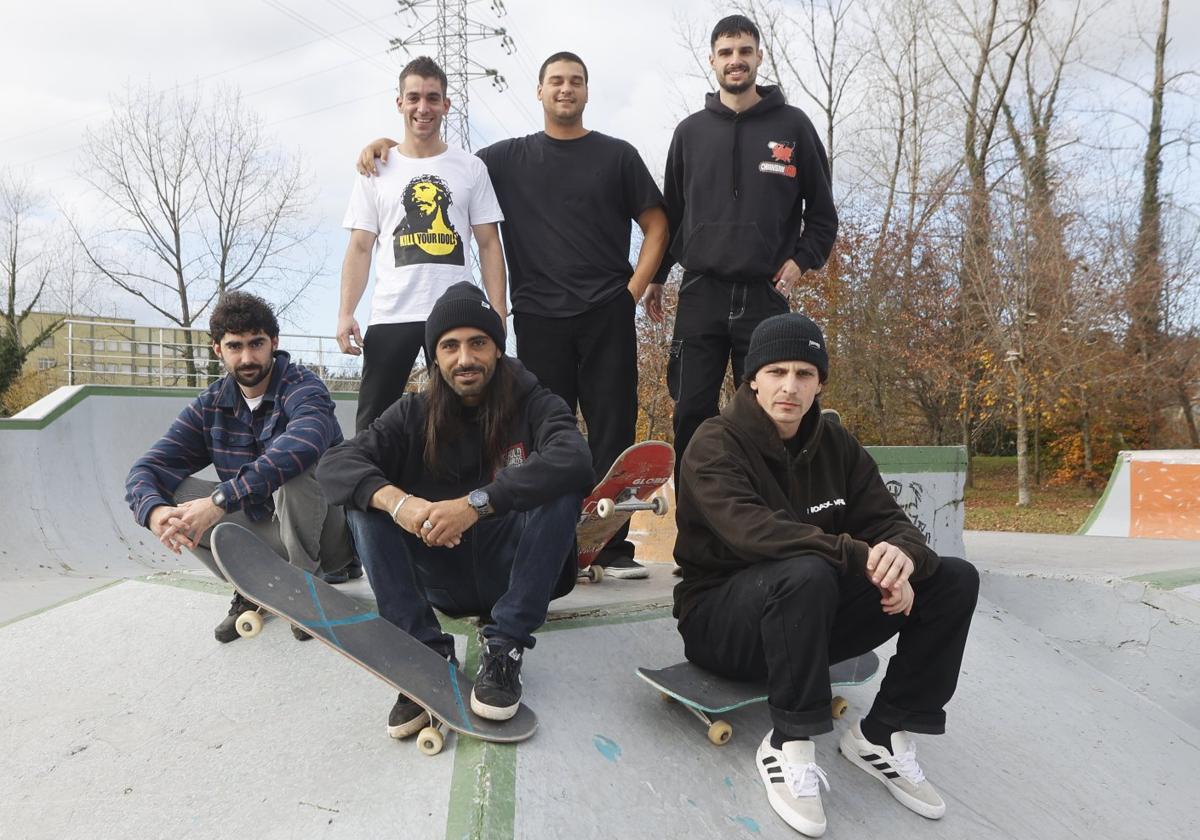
(704,693)
(358,632)
(633,478)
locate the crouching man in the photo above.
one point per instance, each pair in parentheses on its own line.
(263,426)
(465,497)
(794,555)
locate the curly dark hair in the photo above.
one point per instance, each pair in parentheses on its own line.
(242,312)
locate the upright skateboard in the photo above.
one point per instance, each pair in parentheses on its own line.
(705,694)
(633,478)
(360,634)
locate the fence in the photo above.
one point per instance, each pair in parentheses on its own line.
(114,353)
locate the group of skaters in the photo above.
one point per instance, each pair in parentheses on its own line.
(465,497)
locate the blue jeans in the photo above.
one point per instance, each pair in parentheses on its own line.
(507,567)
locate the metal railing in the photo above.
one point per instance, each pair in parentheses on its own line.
(115,353)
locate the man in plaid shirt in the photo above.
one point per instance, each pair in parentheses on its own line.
(263,427)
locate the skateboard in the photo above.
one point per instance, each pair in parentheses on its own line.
(633,478)
(705,694)
(358,632)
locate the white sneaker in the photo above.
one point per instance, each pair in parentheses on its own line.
(793,781)
(898,770)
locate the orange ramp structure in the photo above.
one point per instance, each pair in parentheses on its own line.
(1151,493)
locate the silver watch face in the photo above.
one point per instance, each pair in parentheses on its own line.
(478,499)
(218,498)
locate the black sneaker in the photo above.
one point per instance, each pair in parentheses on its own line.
(300,634)
(226,631)
(406,718)
(497,692)
(349,572)
(623,566)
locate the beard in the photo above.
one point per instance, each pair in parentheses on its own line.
(738,87)
(250,375)
(469,389)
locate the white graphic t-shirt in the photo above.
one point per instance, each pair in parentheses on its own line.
(421,210)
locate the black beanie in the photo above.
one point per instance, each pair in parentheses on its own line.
(462,305)
(790,337)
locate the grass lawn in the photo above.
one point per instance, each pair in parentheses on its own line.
(991,505)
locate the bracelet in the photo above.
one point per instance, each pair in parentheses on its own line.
(399,505)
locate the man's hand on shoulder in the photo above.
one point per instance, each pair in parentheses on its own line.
(377,149)
(182,526)
(448,521)
(888,567)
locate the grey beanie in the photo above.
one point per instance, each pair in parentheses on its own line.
(790,337)
(462,305)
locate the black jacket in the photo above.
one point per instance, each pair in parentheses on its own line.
(546,456)
(743,499)
(746,191)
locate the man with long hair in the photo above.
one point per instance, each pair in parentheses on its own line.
(465,498)
(263,426)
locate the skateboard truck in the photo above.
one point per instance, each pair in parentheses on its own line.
(607,507)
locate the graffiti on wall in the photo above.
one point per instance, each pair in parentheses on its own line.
(909,496)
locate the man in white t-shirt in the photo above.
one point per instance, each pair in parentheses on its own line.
(428,200)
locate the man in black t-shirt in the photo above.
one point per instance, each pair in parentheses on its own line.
(568,196)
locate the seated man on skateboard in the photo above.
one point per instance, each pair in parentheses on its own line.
(263,426)
(465,498)
(794,556)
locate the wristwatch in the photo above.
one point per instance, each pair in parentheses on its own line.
(218,498)
(479,500)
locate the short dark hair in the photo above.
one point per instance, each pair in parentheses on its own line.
(426,68)
(734,25)
(562,56)
(242,312)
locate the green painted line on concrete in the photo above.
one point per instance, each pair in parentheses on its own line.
(483,786)
(919,459)
(182,580)
(1099,506)
(614,614)
(97,391)
(1173,579)
(61,603)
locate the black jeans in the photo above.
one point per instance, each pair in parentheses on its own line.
(712,329)
(590,360)
(787,620)
(389,351)
(507,568)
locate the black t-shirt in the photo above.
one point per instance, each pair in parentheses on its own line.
(567,209)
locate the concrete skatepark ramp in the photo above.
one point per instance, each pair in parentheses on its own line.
(1075,715)
(1151,493)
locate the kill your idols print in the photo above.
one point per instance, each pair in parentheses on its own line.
(426,234)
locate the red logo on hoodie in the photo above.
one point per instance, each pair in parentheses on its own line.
(781,159)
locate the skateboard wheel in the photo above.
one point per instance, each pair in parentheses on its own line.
(838,707)
(720,733)
(430,740)
(661,506)
(595,574)
(249,624)
(605,507)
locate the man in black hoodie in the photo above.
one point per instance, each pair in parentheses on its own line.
(794,555)
(750,211)
(465,497)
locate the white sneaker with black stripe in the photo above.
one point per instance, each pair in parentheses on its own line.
(897,769)
(793,781)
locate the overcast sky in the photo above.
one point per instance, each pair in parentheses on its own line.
(320,74)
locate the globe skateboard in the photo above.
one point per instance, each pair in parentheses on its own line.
(705,694)
(357,631)
(631,481)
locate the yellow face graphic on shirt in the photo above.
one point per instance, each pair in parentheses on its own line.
(426,234)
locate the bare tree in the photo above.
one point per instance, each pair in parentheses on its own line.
(29,271)
(199,204)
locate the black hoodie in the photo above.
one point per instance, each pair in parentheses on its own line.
(743,499)
(746,191)
(546,456)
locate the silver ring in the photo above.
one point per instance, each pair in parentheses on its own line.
(426,524)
